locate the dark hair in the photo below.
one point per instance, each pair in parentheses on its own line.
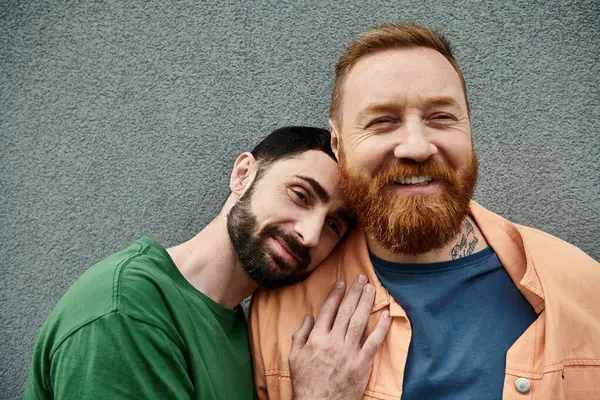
(290,141)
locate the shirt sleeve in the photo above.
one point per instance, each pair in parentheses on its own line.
(119,357)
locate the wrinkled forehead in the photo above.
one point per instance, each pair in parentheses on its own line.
(401,76)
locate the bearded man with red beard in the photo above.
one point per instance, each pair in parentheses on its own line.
(481,308)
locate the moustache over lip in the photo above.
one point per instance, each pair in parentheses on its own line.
(300,252)
(434,169)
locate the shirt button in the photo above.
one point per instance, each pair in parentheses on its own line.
(522,385)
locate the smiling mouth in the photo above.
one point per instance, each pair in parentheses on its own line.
(414,181)
(287,249)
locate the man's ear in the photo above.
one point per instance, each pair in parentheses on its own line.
(243,173)
(335,139)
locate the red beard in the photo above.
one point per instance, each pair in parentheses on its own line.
(411,224)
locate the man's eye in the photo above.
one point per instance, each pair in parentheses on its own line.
(384,120)
(299,195)
(334,226)
(442,117)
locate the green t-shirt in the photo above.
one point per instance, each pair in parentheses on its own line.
(132,327)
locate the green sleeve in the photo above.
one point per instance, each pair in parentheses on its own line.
(119,357)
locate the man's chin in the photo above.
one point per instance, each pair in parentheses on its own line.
(278,265)
(279,273)
(414,226)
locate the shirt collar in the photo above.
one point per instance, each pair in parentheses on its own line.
(502,236)
(508,243)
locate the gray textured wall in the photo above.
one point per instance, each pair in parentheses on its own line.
(123,118)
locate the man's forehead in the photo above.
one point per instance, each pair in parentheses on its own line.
(419,60)
(315,168)
(425,69)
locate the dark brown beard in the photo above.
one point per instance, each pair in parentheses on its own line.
(413,224)
(250,245)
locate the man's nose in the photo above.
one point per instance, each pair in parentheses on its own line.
(413,143)
(309,230)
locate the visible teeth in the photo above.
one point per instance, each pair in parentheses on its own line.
(414,180)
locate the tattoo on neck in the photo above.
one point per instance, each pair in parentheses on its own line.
(466,244)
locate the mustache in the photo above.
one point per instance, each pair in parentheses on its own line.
(434,168)
(302,253)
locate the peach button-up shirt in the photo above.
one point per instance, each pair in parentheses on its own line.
(557,357)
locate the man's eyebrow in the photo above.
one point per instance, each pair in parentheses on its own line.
(441,101)
(378,108)
(317,188)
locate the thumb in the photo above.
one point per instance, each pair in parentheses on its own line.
(300,337)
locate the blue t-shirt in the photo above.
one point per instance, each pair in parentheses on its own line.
(465,315)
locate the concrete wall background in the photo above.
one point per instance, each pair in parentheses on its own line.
(119,119)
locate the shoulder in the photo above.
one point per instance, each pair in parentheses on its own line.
(546,253)
(123,282)
(569,277)
(570,280)
(127,278)
(275,314)
(549,252)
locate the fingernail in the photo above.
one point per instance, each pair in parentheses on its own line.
(339,284)
(361,278)
(369,288)
(386,314)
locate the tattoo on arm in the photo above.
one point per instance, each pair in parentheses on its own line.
(467,243)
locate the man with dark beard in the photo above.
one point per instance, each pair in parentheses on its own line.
(481,308)
(156,323)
